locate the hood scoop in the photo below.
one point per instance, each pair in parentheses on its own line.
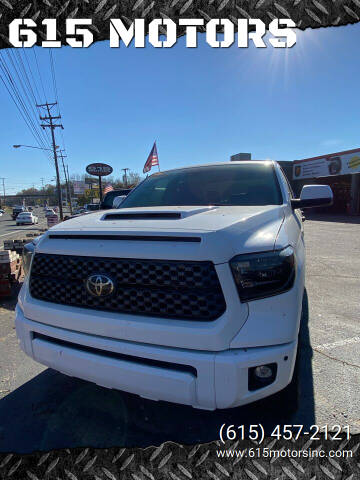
(139,238)
(143,216)
(127,214)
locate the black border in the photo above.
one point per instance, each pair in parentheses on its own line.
(178,462)
(170,460)
(305,13)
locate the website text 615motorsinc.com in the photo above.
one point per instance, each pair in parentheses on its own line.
(266,452)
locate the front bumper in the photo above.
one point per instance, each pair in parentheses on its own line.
(206,380)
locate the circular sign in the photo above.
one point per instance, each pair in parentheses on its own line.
(99,169)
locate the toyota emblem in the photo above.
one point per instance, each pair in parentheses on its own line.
(99,285)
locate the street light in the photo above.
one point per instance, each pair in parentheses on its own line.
(39,148)
(51,150)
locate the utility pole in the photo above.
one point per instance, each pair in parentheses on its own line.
(3,182)
(100,189)
(62,156)
(125,170)
(66,179)
(42,182)
(49,119)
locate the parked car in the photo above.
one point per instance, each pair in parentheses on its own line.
(79,211)
(92,207)
(30,209)
(26,218)
(108,199)
(191,292)
(49,212)
(17,210)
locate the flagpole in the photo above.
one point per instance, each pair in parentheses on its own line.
(157,156)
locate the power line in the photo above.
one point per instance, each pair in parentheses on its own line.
(38,69)
(12,59)
(37,96)
(34,134)
(15,94)
(53,75)
(25,95)
(52,68)
(26,77)
(31,73)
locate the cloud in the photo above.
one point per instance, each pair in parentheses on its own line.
(331,142)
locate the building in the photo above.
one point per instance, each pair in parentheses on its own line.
(240,157)
(341,171)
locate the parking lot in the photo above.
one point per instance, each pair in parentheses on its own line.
(41,409)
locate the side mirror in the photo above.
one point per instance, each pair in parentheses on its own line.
(313,196)
(118,200)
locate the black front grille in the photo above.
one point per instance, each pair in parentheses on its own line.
(172,289)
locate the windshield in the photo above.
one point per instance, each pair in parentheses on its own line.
(232,184)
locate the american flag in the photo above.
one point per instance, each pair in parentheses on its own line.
(152,159)
(108,188)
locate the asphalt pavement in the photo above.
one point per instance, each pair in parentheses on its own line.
(9,230)
(41,409)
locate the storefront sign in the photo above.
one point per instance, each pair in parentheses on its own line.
(99,169)
(342,163)
(79,187)
(92,192)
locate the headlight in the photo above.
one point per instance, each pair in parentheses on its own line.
(28,251)
(261,275)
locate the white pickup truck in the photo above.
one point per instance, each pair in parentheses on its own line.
(190,292)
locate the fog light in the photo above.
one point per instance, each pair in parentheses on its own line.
(262,376)
(263,371)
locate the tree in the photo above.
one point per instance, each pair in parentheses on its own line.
(133,178)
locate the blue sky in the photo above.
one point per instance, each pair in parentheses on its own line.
(201,105)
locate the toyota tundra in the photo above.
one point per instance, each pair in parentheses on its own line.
(190,292)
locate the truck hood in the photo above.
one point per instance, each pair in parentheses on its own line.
(213,233)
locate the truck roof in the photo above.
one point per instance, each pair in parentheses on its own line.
(241,162)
